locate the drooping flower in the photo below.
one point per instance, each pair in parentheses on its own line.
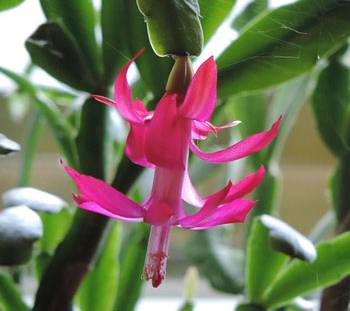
(161,140)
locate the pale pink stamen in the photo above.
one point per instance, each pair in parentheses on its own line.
(164,206)
(157,254)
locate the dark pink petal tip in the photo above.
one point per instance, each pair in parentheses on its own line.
(246,185)
(137,54)
(122,93)
(200,99)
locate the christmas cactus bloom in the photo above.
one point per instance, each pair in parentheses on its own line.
(161,140)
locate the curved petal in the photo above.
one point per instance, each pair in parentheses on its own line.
(225,205)
(168,135)
(91,206)
(138,106)
(122,93)
(189,192)
(211,204)
(201,130)
(243,148)
(236,191)
(100,197)
(234,212)
(200,99)
(135,145)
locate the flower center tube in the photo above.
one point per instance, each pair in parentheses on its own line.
(165,203)
(157,254)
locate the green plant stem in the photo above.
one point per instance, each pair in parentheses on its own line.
(74,255)
(337,297)
(28,153)
(127,174)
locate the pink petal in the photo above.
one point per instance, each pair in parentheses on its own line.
(95,208)
(122,93)
(243,148)
(189,192)
(225,205)
(135,145)
(141,109)
(239,190)
(246,185)
(138,106)
(168,135)
(234,212)
(201,130)
(100,197)
(211,204)
(200,99)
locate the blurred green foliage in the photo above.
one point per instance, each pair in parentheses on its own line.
(270,69)
(8,4)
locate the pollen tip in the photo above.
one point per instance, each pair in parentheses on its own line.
(155,269)
(157,279)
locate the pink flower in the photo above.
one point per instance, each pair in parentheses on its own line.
(161,140)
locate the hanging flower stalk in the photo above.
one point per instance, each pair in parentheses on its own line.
(161,140)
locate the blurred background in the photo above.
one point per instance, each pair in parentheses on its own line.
(306,164)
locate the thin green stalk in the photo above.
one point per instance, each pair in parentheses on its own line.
(29,148)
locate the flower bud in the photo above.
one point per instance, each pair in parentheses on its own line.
(173,26)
